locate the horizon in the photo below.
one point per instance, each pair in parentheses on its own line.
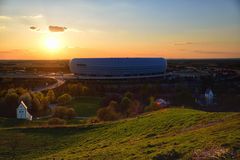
(121,57)
(47,30)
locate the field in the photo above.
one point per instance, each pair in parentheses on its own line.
(169,133)
(86,106)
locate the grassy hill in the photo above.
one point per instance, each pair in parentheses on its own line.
(170,133)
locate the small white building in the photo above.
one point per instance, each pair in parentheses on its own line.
(209,96)
(161,102)
(22,112)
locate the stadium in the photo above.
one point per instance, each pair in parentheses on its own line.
(116,68)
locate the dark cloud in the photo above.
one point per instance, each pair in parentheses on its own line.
(57,28)
(34,28)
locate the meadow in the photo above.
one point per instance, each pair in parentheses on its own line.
(169,133)
(86,106)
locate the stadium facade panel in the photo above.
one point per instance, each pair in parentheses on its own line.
(118,67)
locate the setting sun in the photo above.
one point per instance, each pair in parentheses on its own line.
(52,43)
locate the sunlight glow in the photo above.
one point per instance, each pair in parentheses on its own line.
(52,43)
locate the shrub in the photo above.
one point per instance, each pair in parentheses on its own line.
(56,121)
(64,99)
(134,109)
(71,113)
(64,112)
(152,105)
(108,114)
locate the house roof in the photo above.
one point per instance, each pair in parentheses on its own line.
(23,104)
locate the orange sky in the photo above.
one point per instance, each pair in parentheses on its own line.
(119,29)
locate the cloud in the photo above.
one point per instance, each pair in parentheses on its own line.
(32,17)
(57,28)
(29,20)
(184,43)
(5,18)
(216,52)
(211,52)
(33,28)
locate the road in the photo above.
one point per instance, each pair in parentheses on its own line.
(55,85)
(60,79)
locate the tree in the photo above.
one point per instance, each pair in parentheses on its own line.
(84,89)
(74,89)
(26,98)
(64,99)
(10,104)
(36,105)
(125,104)
(21,91)
(45,103)
(110,112)
(107,114)
(129,95)
(39,95)
(134,109)
(51,96)
(114,105)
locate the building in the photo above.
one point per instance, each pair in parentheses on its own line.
(22,112)
(205,99)
(209,96)
(161,102)
(110,68)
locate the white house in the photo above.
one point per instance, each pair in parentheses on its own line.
(209,96)
(161,103)
(22,112)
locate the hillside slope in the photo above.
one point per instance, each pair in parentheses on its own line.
(170,133)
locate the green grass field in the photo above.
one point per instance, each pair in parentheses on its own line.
(86,106)
(189,132)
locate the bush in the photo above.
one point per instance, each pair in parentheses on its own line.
(64,112)
(56,121)
(152,105)
(64,99)
(108,114)
(71,113)
(134,109)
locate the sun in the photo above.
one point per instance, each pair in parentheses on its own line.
(52,43)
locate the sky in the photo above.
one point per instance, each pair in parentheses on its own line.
(65,29)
